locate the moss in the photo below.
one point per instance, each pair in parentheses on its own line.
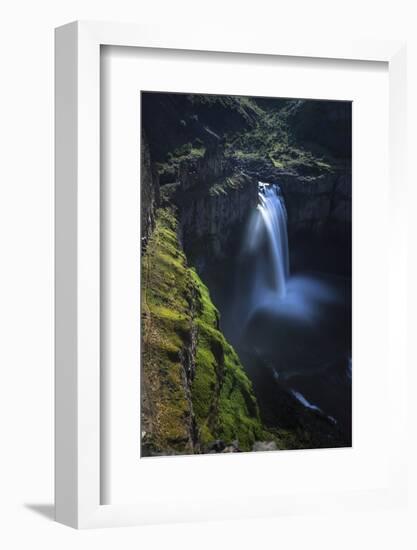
(244,155)
(225,185)
(218,397)
(244,106)
(186,152)
(222,394)
(166,319)
(271,138)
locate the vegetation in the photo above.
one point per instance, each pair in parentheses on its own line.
(227,184)
(222,394)
(245,107)
(207,151)
(271,139)
(166,297)
(185,153)
(249,128)
(188,383)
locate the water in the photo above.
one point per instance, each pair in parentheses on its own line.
(267,241)
(266,284)
(274,217)
(300,397)
(295,327)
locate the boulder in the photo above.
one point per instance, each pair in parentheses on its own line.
(264,446)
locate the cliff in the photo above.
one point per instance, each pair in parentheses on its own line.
(214,199)
(211,151)
(186,121)
(149,192)
(196,396)
(202,159)
(316,202)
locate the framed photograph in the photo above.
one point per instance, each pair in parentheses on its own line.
(229,249)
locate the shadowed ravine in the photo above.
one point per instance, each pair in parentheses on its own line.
(294,331)
(246,274)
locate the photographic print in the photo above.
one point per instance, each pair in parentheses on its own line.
(246,248)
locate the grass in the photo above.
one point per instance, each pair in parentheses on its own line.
(222,394)
(271,139)
(184,153)
(246,108)
(227,184)
(165,328)
(267,136)
(218,397)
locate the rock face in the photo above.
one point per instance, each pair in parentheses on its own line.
(219,446)
(172,120)
(215,194)
(214,198)
(260,446)
(196,396)
(314,203)
(324,124)
(198,190)
(209,222)
(149,193)
(318,204)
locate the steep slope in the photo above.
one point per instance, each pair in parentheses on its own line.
(194,388)
(200,142)
(200,179)
(192,121)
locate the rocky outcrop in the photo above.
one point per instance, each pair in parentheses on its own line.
(196,396)
(214,194)
(209,222)
(318,204)
(201,173)
(314,203)
(209,153)
(149,193)
(172,120)
(214,197)
(262,446)
(323,125)
(219,446)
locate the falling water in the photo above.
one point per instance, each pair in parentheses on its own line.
(274,217)
(292,327)
(266,243)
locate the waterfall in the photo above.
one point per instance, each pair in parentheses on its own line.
(290,326)
(274,217)
(300,398)
(266,243)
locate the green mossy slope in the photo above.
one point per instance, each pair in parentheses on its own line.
(194,388)
(166,320)
(222,395)
(272,140)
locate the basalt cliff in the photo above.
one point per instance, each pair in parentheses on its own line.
(201,160)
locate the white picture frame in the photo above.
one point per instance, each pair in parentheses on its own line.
(77,242)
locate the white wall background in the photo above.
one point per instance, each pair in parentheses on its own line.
(26,270)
